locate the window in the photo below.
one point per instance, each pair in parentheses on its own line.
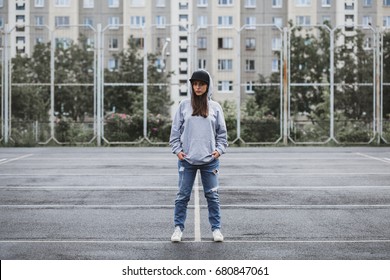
(62,3)
(183,88)
(202,43)
(302,2)
(62,21)
(225,43)
(386,21)
(276,3)
(367,20)
(225,64)
(225,2)
(113,64)
(160,3)
(249,87)
(88,21)
(350,6)
(90,42)
(249,65)
(250,3)
(1,24)
(202,63)
(367,43)
(250,43)
(275,65)
(160,21)
(202,21)
(225,86)
(38,40)
(63,43)
(386,2)
(1,3)
(276,44)
(39,3)
(89,4)
(139,42)
(183,44)
(278,21)
(349,20)
(113,22)
(326,19)
(137,21)
(202,3)
(20,6)
(183,21)
(113,3)
(367,3)
(225,21)
(183,6)
(138,3)
(113,43)
(39,21)
(325,3)
(183,66)
(20,44)
(250,22)
(303,20)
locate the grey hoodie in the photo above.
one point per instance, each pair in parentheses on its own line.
(196,136)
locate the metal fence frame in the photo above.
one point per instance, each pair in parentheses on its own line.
(286,118)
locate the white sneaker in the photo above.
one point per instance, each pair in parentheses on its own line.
(177,234)
(218,237)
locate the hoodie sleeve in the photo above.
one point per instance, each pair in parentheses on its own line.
(176,130)
(221,133)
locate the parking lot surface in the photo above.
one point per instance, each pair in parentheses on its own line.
(277,203)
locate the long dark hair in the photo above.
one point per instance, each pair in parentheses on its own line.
(200,104)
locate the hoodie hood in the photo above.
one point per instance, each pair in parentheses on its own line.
(209,88)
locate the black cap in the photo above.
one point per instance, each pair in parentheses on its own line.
(200,75)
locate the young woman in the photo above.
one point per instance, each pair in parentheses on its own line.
(198,138)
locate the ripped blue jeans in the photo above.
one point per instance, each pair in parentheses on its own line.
(209,176)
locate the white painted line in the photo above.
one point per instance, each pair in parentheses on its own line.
(18,158)
(197,209)
(371,157)
(230,174)
(2,159)
(92,206)
(310,241)
(238,188)
(88,188)
(189,241)
(170,188)
(89,174)
(307,206)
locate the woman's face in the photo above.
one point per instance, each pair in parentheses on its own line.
(199,87)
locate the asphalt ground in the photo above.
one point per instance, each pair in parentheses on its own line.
(287,203)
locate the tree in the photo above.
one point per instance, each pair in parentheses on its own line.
(31,102)
(74,70)
(354,68)
(128,99)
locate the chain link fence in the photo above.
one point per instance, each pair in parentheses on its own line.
(297,85)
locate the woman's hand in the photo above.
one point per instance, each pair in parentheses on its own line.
(181,155)
(216,154)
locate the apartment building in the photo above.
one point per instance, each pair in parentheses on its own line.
(235,40)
